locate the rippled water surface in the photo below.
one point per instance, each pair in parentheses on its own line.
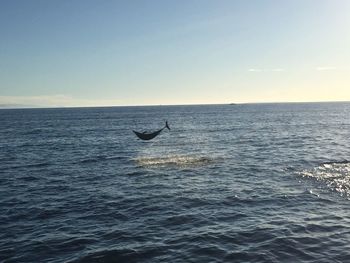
(227,183)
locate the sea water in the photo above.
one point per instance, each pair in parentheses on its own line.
(227,183)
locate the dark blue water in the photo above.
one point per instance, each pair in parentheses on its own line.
(228,183)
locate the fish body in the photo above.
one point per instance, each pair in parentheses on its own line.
(149,136)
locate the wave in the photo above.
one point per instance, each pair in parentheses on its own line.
(100,158)
(336,162)
(336,176)
(121,255)
(34,131)
(174,160)
(34,165)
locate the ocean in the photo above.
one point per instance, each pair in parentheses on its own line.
(227,183)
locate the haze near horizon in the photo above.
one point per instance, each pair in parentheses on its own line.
(111,53)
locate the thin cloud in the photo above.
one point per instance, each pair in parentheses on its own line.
(266,70)
(325,68)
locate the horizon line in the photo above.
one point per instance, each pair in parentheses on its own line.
(9,106)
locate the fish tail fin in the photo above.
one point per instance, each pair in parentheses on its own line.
(166,125)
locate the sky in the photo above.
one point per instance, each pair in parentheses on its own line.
(161,52)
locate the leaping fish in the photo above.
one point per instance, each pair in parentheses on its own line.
(149,136)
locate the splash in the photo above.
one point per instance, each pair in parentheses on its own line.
(335,175)
(173,160)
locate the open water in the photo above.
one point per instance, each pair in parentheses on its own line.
(228,183)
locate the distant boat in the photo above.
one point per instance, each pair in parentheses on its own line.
(149,136)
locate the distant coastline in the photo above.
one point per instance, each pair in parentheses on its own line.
(18,106)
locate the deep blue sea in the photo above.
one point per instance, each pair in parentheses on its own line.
(227,183)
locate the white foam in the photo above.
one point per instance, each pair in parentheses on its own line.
(173,160)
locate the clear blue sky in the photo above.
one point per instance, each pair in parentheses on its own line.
(81,53)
